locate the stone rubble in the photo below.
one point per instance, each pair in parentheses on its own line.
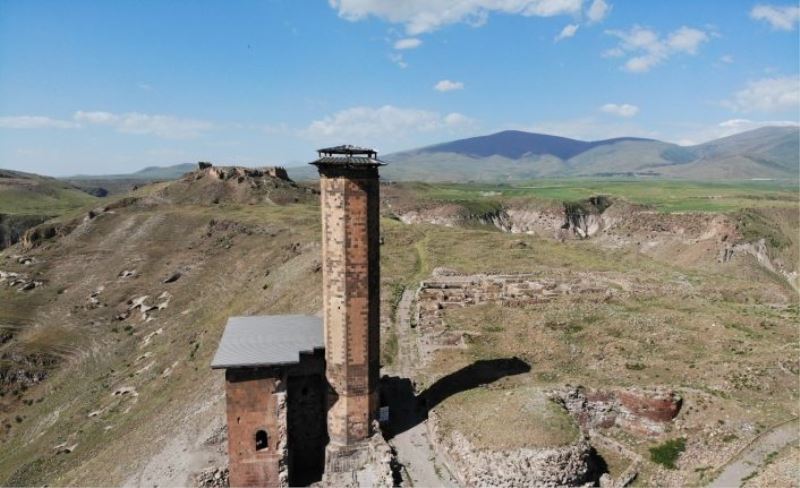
(213,477)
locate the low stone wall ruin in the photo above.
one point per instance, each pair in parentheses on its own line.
(643,411)
(445,292)
(572,465)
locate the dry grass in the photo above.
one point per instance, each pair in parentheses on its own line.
(508,418)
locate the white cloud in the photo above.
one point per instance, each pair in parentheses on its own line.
(165,126)
(447,85)
(370,123)
(780,17)
(421,16)
(767,95)
(728,128)
(455,120)
(727,59)
(598,11)
(647,48)
(95,117)
(35,122)
(398,59)
(614,52)
(407,43)
(621,110)
(568,31)
(686,40)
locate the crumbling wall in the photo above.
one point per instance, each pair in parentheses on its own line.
(369,463)
(446,292)
(640,410)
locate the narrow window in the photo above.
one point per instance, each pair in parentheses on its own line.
(261,440)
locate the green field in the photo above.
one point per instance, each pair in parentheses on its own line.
(662,195)
(21,201)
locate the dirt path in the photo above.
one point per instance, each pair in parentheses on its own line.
(411,442)
(753,456)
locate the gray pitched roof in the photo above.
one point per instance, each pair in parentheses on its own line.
(267,340)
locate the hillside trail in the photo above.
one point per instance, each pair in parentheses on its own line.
(753,456)
(413,447)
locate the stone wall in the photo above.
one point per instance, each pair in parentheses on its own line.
(286,402)
(256,400)
(572,465)
(444,292)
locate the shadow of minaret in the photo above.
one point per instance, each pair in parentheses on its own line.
(407,410)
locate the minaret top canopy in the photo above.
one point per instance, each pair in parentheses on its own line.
(347,156)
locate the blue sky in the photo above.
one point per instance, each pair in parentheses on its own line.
(108,87)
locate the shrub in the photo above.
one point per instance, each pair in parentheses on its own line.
(667,453)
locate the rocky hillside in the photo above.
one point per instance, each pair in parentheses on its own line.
(108,321)
(768,236)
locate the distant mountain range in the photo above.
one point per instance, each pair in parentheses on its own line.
(768,152)
(150,173)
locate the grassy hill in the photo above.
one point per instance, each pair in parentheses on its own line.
(27,199)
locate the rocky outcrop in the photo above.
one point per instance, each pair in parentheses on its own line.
(643,411)
(35,236)
(20,371)
(545,222)
(12,227)
(760,252)
(214,185)
(585,218)
(19,281)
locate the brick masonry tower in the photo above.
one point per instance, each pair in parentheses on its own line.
(351,294)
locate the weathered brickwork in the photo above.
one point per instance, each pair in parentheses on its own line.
(256,401)
(351,296)
(287,403)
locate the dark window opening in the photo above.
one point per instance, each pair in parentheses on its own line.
(261,440)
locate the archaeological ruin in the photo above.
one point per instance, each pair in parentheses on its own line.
(302,392)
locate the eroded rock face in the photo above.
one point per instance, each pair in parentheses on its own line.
(33,237)
(645,411)
(13,227)
(585,218)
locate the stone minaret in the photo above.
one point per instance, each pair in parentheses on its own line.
(351,294)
